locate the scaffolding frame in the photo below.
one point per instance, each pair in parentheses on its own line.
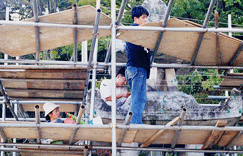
(114,27)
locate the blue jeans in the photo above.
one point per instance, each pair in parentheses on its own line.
(136,79)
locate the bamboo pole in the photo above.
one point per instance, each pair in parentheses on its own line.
(126,122)
(180,122)
(37,121)
(159,133)
(80,114)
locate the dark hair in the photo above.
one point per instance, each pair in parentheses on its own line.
(48,117)
(121,71)
(138,11)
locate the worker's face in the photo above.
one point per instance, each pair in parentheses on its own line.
(121,81)
(141,20)
(55,114)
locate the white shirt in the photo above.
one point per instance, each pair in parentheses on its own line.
(105,90)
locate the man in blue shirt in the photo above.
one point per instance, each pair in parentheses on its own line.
(138,68)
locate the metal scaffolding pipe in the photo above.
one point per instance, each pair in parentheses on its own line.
(42,62)
(179,29)
(133,126)
(121,11)
(102,65)
(94,70)
(161,33)
(95,33)
(120,14)
(6,100)
(113,76)
(177,132)
(3,136)
(37,30)
(217,97)
(27,119)
(75,147)
(126,122)
(37,114)
(80,114)
(143,28)
(42,102)
(209,12)
(201,36)
(232,61)
(199,42)
(37,121)
(86,150)
(75,34)
(21,110)
(40,24)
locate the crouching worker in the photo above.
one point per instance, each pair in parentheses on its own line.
(121,89)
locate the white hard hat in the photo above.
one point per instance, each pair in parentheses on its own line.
(49,106)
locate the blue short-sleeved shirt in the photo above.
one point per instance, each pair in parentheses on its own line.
(138,56)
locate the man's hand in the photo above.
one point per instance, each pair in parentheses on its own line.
(118,96)
(126,94)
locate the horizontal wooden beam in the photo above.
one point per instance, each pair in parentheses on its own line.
(43,84)
(65,74)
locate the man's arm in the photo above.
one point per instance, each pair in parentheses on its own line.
(118,96)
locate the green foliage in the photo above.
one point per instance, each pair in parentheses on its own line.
(213,78)
(200,84)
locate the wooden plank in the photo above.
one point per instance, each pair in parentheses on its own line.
(192,137)
(227,137)
(20,133)
(50,73)
(231,82)
(185,137)
(56,74)
(105,135)
(13,73)
(182,44)
(42,99)
(13,38)
(53,152)
(13,93)
(234,74)
(215,135)
(43,84)
(236,141)
(62,108)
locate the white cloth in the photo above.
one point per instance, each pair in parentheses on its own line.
(106,90)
